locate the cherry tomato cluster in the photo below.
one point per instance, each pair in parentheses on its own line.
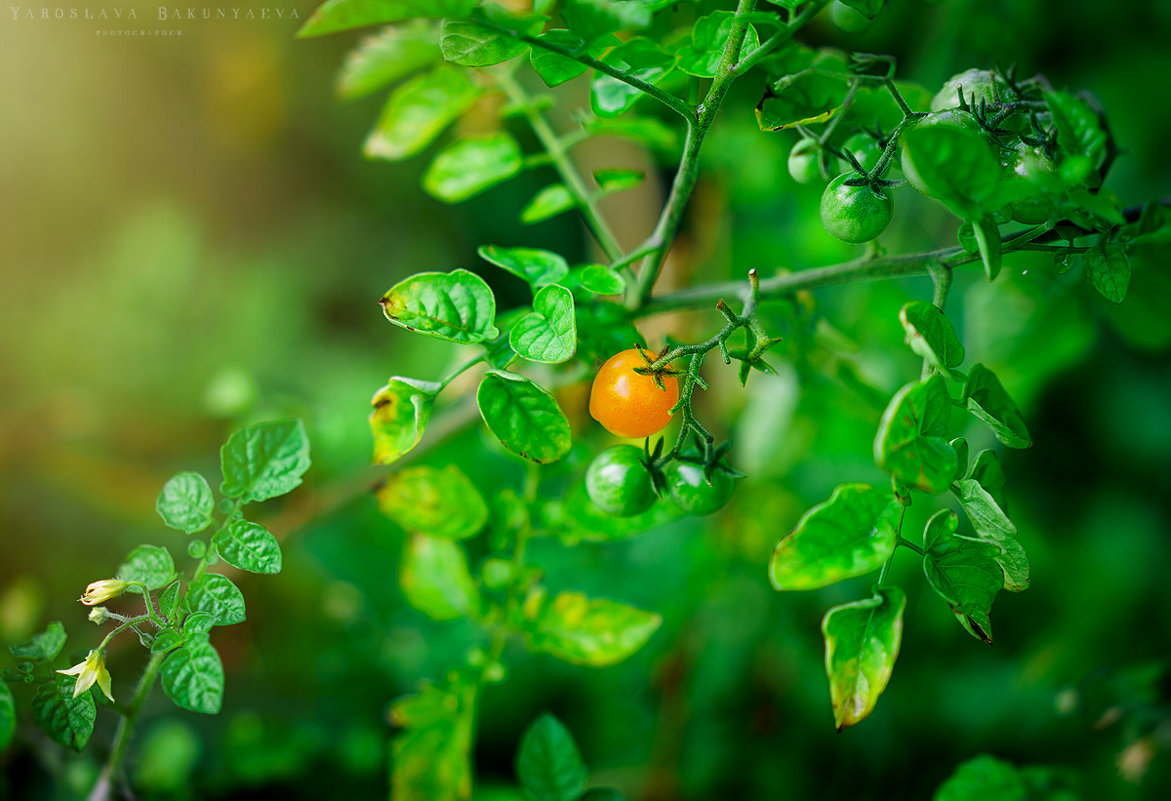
(625,480)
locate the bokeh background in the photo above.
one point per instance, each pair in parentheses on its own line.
(190,240)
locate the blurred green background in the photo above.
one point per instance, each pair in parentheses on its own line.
(191,241)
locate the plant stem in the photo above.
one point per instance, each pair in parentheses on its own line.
(669,100)
(685,176)
(559,157)
(102,789)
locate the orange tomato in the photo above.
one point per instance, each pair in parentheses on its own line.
(627,403)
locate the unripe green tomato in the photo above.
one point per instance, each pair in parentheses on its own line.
(618,482)
(854,214)
(803,164)
(689,490)
(949,118)
(848,19)
(865,148)
(977,85)
(1030,211)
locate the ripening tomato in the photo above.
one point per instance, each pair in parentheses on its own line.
(627,403)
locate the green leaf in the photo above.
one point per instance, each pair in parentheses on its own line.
(555,69)
(186,504)
(435,579)
(458,306)
(149,564)
(851,534)
(430,759)
(583,631)
(549,764)
(524,417)
(992,525)
(983,778)
(652,133)
(548,333)
(931,335)
(617,180)
(911,443)
(42,647)
(438,502)
(537,267)
(472,166)
(401,411)
(198,623)
(701,56)
(640,58)
(472,45)
(417,112)
(987,399)
(383,58)
(169,599)
(862,641)
(248,546)
(963,571)
(549,202)
(987,236)
(1078,130)
(167,640)
(1109,270)
(600,279)
(68,720)
(593,18)
(987,472)
(218,595)
(193,677)
(867,8)
(7,715)
(343,15)
(264,461)
(800,99)
(953,164)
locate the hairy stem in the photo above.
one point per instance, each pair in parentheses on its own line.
(103,789)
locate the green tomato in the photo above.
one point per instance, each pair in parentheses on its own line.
(689,490)
(953,118)
(854,214)
(803,164)
(865,148)
(977,85)
(618,482)
(848,19)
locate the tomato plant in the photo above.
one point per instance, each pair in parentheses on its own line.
(839,414)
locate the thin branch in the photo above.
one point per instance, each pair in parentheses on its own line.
(559,157)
